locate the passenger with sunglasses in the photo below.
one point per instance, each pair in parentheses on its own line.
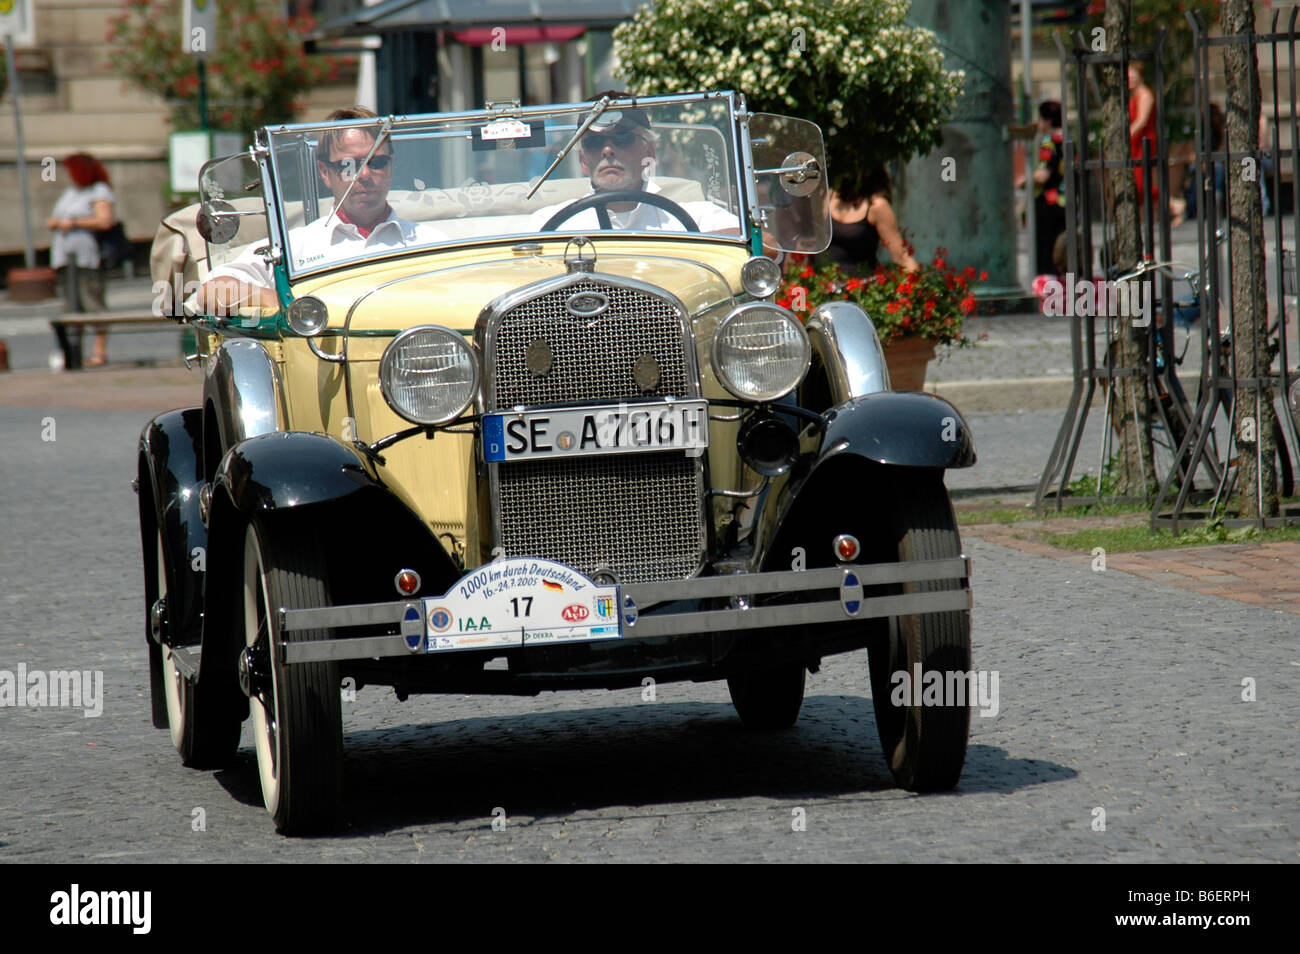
(361,219)
(618,155)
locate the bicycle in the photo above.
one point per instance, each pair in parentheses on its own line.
(1172,407)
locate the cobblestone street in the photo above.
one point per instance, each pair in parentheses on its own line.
(1115,692)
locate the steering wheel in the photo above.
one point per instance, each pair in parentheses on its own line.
(601,200)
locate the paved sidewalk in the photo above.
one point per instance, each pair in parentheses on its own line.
(1260,574)
(104,389)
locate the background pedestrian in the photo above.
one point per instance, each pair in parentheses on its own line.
(87,206)
(862,220)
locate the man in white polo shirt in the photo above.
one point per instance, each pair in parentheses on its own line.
(620,155)
(358,223)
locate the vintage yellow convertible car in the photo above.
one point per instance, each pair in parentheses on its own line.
(546,435)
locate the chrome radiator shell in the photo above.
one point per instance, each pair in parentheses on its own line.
(640,516)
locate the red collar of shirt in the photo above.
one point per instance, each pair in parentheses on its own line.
(364,233)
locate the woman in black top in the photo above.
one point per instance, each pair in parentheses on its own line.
(861,222)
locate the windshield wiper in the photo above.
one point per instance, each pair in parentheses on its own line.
(600,107)
(385,127)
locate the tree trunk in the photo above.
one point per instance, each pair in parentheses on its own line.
(1135,476)
(1253,420)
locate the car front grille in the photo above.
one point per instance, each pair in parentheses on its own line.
(640,514)
(593,359)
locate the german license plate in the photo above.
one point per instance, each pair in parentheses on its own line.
(587,431)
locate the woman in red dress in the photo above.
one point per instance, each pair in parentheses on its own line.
(1142,125)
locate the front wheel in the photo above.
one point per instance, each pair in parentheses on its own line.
(924,737)
(297,718)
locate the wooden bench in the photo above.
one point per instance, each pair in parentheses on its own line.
(68,329)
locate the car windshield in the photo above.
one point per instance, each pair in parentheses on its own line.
(467,177)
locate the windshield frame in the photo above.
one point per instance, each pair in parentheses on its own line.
(275,170)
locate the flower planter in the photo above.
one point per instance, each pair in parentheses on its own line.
(32,284)
(906,359)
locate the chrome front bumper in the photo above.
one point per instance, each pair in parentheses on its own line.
(848,579)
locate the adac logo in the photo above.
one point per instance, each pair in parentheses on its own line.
(574,613)
(440,619)
(605,607)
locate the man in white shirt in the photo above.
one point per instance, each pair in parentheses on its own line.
(358,223)
(620,155)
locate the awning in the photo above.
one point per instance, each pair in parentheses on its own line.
(392,16)
(517,35)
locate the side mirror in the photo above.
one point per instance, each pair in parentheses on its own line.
(801,174)
(789,162)
(217,222)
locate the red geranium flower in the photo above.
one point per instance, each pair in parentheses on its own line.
(984,276)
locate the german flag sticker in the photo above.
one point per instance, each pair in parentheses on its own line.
(556,587)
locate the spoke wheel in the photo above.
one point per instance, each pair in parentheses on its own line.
(297,717)
(925,745)
(204,722)
(173,682)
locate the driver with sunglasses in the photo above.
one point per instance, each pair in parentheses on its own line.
(361,219)
(620,154)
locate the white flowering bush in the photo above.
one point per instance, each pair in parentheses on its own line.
(874,84)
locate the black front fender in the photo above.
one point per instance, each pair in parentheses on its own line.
(171,475)
(902,428)
(871,445)
(287,482)
(288,469)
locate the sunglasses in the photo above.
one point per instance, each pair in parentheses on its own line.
(379,163)
(595,142)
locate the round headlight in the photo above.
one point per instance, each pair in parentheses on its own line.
(308,316)
(760,276)
(428,375)
(760,352)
